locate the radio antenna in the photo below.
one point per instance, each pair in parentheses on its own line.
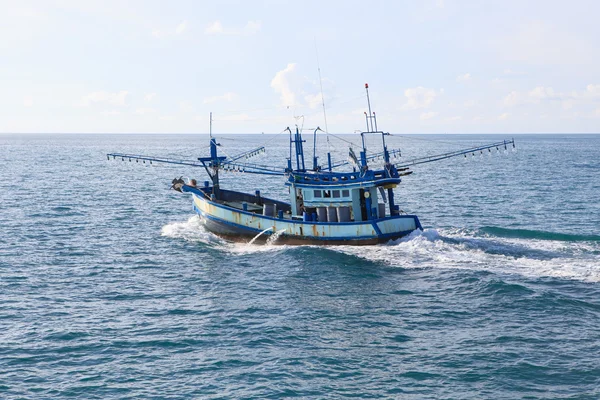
(323,103)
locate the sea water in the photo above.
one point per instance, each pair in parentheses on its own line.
(111,288)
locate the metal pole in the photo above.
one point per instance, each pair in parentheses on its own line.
(315,149)
(369,103)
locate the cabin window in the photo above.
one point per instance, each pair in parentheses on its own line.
(336,194)
(326,193)
(317,193)
(345,193)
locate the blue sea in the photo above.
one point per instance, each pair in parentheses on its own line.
(111,288)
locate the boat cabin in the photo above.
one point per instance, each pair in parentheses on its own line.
(340,197)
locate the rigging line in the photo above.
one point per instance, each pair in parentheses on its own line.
(330,106)
(428,140)
(272,137)
(354,144)
(268,137)
(223,150)
(344,140)
(334,105)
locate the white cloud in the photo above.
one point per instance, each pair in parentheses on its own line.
(512,99)
(464,77)
(470,103)
(568,104)
(503,117)
(28,101)
(313,100)
(538,42)
(216,28)
(236,117)
(229,96)
(157,33)
(427,115)
(592,91)
(178,30)
(281,84)
(253,27)
(185,106)
(534,96)
(145,110)
(181,27)
(509,71)
(149,97)
(418,97)
(569,100)
(103,97)
(455,118)
(542,93)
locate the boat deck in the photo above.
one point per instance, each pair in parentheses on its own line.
(251,207)
(258,209)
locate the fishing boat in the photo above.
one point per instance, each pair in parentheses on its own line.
(325,205)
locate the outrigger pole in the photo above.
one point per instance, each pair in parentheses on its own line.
(443,156)
(214,161)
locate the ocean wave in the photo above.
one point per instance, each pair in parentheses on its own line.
(541,235)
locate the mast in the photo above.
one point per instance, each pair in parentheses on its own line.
(315,164)
(214,160)
(300,166)
(371,119)
(289,160)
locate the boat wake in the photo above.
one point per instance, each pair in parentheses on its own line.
(499,250)
(478,250)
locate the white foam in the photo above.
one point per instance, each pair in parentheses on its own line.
(191,230)
(466,250)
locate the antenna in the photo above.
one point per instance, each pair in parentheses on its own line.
(371,115)
(324,112)
(210,127)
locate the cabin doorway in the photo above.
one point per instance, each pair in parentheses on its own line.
(363,205)
(299,201)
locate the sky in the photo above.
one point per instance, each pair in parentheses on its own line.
(433,66)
